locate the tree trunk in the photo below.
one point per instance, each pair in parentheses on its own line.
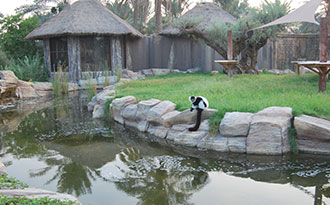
(136,13)
(158,15)
(323,79)
(248,61)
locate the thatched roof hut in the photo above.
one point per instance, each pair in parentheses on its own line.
(205,15)
(85,37)
(83,18)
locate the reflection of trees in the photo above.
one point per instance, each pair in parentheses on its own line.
(158,179)
(71,177)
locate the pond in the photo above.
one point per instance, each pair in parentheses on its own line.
(56,145)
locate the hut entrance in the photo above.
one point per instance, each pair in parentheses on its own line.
(95,56)
(59,54)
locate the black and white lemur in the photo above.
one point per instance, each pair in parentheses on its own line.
(199,103)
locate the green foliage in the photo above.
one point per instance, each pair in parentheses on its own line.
(107,106)
(11,183)
(123,9)
(30,68)
(118,73)
(60,83)
(24,200)
(91,88)
(13,30)
(236,8)
(242,93)
(4,61)
(254,18)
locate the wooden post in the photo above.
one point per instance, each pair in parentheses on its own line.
(230,52)
(47,54)
(74,58)
(116,53)
(230,46)
(323,47)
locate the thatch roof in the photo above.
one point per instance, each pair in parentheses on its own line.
(205,14)
(84,17)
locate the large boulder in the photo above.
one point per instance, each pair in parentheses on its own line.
(25,90)
(158,131)
(180,135)
(104,95)
(98,111)
(236,144)
(144,108)
(142,113)
(43,89)
(160,71)
(185,117)
(155,113)
(129,112)
(269,131)
(235,124)
(7,78)
(8,84)
(313,134)
(118,104)
(129,74)
(217,143)
(147,72)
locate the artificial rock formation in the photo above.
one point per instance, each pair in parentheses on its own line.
(8,84)
(265,132)
(313,134)
(269,131)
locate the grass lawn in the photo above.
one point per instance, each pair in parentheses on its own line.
(243,93)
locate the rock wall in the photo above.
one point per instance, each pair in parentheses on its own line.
(265,132)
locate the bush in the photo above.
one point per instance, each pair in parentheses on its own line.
(4,62)
(91,88)
(13,30)
(60,83)
(30,68)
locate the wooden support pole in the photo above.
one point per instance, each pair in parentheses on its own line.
(74,58)
(323,54)
(230,52)
(47,59)
(230,45)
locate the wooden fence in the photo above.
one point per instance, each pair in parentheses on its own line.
(183,53)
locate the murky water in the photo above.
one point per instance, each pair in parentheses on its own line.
(56,145)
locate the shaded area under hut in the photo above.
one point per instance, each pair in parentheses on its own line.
(85,37)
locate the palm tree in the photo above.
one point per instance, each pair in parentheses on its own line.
(158,15)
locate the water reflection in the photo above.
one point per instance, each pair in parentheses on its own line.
(78,154)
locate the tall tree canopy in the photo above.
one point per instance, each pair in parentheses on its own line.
(246,47)
(13,30)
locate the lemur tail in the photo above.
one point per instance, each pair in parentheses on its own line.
(198,121)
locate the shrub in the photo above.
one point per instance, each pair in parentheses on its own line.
(30,68)
(91,88)
(60,83)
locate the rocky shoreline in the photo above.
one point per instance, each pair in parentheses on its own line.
(265,132)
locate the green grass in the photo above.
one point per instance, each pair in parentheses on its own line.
(242,93)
